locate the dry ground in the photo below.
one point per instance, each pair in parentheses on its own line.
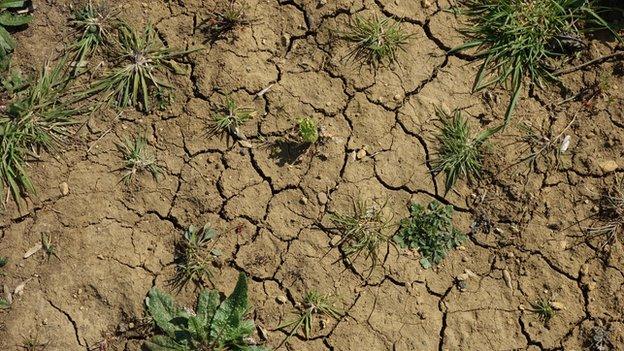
(115,242)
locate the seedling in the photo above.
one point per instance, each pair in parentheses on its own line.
(611,214)
(430,230)
(544,310)
(48,248)
(228,119)
(9,18)
(33,344)
(191,266)
(308,130)
(137,159)
(518,40)
(460,154)
(230,17)
(376,40)
(92,24)
(214,325)
(363,232)
(3,261)
(142,60)
(4,304)
(314,304)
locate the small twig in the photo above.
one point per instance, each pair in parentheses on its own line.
(588,63)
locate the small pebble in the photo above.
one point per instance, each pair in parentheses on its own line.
(322,198)
(64,187)
(304,200)
(361,154)
(281,299)
(608,166)
(557,305)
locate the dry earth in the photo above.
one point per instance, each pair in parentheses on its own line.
(114,243)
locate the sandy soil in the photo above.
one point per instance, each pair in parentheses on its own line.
(526,229)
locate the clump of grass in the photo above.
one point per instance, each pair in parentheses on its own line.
(544,310)
(314,304)
(49,249)
(229,118)
(36,119)
(92,24)
(308,130)
(9,18)
(519,39)
(460,154)
(231,16)
(376,40)
(363,232)
(611,214)
(191,265)
(142,62)
(430,230)
(138,159)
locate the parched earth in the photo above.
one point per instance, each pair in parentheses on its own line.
(527,228)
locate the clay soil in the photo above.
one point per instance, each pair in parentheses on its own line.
(526,227)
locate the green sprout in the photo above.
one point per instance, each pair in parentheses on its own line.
(460,153)
(191,265)
(137,159)
(544,310)
(308,130)
(376,40)
(229,119)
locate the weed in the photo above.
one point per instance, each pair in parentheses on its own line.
(430,230)
(4,304)
(363,232)
(214,325)
(308,130)
(92,24)
(33,344)
(520,39)
(141,61)
(138,159)
(611,213)
(9,18)
(36,119)
(459,153)
(48,248)
(191,266)
(314,304)
(225,20)
(544,310)
(542,146)
(600,338)
(3,261)
(376,40)
(229,118)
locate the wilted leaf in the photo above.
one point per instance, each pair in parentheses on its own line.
(33,250)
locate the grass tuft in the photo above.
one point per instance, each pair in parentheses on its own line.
(460,154)
(376,40)
(142,61)
(430,230)
(520,39)
(92,24)
(314,303)
(363,232)
(229,118)
(191,265)
(611,214)
(228,18)
(138,159)
(544,310)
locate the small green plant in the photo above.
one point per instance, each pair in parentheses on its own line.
(4,304)
(48,248)
(430,230)
(229,118)
(214,325)
(610,214)
(544,310)
(138,159)
(308,130)
(460,153)
(3,261)
(142,60)
(314,303)
(36,119)
(9,18)
(92,24)
(228,18)
(32,343)
(363,232)
(520,39)
(376,40)
(191,265)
